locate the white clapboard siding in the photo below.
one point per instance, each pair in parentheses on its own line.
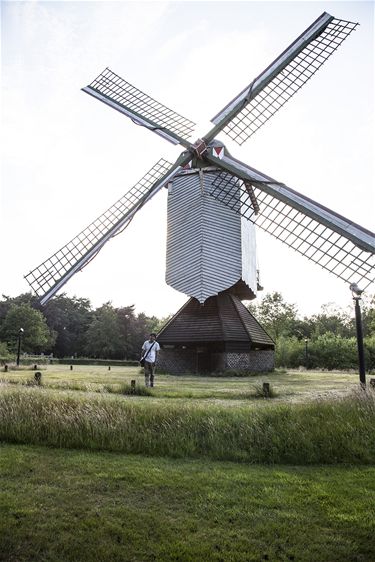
(206,249)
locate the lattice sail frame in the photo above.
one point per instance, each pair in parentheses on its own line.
(274,95)
(144,110)
(84,247)
(312,239)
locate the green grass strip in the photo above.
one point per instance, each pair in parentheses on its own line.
(81,506)
(340,431)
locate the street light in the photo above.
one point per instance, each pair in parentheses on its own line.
(20,332)
(356,293)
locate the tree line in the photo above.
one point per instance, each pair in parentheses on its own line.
(71,327)
(324,340)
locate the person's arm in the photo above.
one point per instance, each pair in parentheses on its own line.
(157,348)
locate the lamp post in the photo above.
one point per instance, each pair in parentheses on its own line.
(20,332)
(306,351)
(356,293)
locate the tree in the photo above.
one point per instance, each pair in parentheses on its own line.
(70,318)
(104,335)
(368,315)
(276,316)
(332,320)
(37,336)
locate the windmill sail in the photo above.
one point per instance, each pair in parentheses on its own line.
(114,91)
(52,274)
(261,99)
(337,244)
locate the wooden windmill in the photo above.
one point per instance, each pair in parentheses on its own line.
(215,202)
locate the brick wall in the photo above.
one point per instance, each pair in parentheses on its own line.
(180,361)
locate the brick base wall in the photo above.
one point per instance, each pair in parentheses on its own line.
(180,361)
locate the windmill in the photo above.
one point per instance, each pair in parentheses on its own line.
(215,203)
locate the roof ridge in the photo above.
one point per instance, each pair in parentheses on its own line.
(252,316)
(174,316)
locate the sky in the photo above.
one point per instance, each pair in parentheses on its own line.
(66,157)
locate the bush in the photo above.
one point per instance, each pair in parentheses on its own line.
(327,351)
(5,355)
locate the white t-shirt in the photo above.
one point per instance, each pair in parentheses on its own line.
(152,355)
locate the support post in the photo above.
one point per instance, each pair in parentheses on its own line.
(20,332)
(361,351)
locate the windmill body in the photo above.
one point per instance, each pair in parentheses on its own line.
(214,204)
(210,247)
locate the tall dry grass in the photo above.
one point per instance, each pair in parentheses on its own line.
(340,431)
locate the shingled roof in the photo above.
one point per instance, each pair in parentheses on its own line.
(222,318)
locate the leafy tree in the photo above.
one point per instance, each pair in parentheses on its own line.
(70,318)
(103,337)
(368,315)
(24,298)
(276,316)
(4,352)
(332,320)
(37,336)
(127,320)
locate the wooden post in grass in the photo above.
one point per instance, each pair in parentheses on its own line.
(266,389)
(132,386)
(5,368)
(71,367)
(35,367)
(38,378)
(109,367)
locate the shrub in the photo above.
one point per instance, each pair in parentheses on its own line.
(90,361)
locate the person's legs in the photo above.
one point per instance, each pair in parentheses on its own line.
(152,373)
(147,373)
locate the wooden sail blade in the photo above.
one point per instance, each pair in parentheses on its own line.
(270,91)
(53,273)
(114,91)
(337,244)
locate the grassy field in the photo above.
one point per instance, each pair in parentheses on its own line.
(77,506)
(290,386)
(87,497)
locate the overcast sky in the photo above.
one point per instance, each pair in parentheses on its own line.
(67,157)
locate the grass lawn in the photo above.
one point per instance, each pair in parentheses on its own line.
(185,501)
(65,505)
(290,386)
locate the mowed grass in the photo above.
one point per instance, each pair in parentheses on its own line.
(79,506)
(290,386)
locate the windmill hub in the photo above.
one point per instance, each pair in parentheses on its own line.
(199,148)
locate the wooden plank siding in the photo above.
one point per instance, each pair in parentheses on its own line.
(209,246)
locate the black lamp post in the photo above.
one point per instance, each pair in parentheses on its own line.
(306,351)
(356,292)
(20,332)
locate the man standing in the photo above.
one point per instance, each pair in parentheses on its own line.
(150,350)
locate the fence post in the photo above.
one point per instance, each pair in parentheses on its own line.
(266,389)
